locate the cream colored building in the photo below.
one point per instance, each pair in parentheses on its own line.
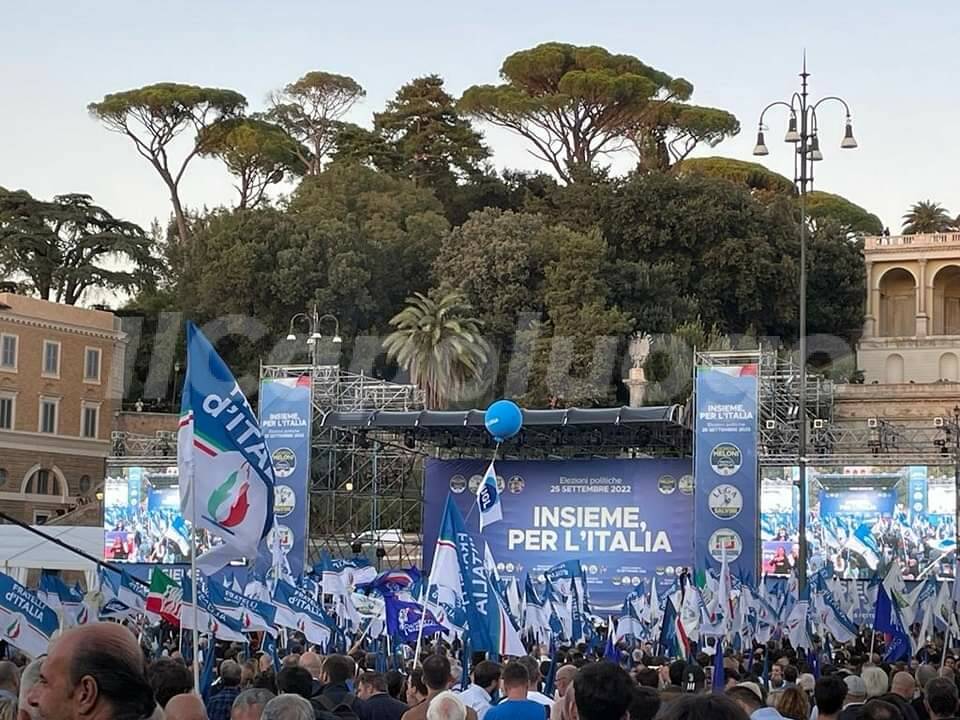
(912,327)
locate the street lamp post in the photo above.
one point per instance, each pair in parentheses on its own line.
(803,133)
(313,321)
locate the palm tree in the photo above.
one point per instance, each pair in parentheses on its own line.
(439,344)
(927,216)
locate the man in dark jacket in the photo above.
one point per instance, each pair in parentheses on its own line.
(372,690)
(338,670)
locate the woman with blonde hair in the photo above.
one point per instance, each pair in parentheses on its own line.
(793,704)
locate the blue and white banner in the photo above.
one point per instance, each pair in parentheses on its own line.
(26,623)
(285,412)
(298,611)
(725,465)
(488,499)
(252,614)
(624,520)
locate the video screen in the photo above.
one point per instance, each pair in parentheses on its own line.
(141,517)
(860,519)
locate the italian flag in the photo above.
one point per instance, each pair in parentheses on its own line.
(165,597)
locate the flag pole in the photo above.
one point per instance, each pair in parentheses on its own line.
(423,617)
(946,642)
(196,589)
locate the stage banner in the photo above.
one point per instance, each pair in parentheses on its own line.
(726,516)
(863,504)
(285,412)
(917,492)
(624,520)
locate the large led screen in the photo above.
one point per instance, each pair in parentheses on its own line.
(141,517)
(860,519)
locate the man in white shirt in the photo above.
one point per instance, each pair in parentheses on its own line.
(533,691)
(479,695)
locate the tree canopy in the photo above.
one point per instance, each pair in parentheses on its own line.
(576,104)
(154,115)
(69,245)
(310,109)
(927,216)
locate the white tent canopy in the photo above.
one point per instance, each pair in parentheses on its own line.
(22,550)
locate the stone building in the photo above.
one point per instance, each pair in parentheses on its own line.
(61,383)
(912,328)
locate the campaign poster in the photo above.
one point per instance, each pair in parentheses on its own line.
(624,520)
(725,467)
(285,412)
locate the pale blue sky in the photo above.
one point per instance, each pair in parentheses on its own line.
(895,62)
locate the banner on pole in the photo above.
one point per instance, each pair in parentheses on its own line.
(285,411)
(726,512)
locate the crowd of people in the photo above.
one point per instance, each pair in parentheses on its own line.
(100,672)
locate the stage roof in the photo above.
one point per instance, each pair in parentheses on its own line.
(451,419)
(659,430)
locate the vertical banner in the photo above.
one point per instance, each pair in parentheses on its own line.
(285,412)
(726,501)
(917,492)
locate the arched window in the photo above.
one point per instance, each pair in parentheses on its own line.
(43,482)
(897,304)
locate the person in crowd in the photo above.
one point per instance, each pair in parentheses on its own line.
(479,694)
(295,681)
(250,703)
(705,707)
(220,705)
(28,678)
(288,707)
(186,706)
(645,677)
(694,679)
(372,689)
(675,675)
(290,660)
(807,682)
(335,696)
(876,709)
(9,681)
(903,706)
(793,704)
(313,664)
(924,673)
(875,680)
(940,698)
(731,678)
(516,705)
(645,704)
(168,678)
(563,680)
(856,697)
(435,676)
(904,685)
(829,694)
(415,692)
(603,691)
(93,671)
(776,676)
(750,699)
(266,681)
(447,706)
(395,685)
(533,690)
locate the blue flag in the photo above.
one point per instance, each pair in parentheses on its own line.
(887,620)
(26,622)
(404,618)
(390,582)
(719,679)
(206,673)
(610,652)
(226,472)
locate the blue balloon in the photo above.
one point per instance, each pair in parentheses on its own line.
(503,420)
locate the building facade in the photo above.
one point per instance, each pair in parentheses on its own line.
(61,383)
(912,328)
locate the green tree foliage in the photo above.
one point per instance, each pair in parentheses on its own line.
(576,104)
(927,216)
(755,176)
(257,153)
(669,366)
(672,130)
(69,245)
(155,115)
(541,292)
(439,344)
(836,281)
(310,110)
(852,219)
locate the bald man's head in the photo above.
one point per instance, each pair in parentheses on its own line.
(564,677)
(93,669)
(312,663)
(904,685)
(185,707)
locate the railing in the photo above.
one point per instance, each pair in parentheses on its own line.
(879,242)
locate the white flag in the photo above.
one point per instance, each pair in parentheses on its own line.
(488,499)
